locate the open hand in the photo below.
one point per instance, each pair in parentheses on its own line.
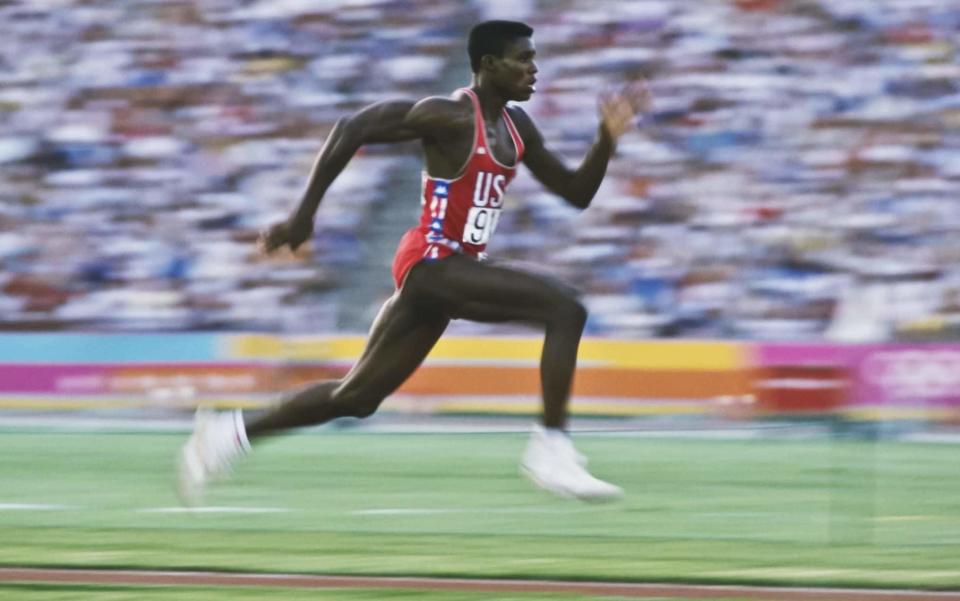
(619,109)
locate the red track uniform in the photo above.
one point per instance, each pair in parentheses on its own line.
(460,214)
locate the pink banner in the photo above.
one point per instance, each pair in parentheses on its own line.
(802,355)
(57,379)
(877,375)
(927,375)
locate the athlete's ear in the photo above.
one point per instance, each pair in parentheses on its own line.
(489,62)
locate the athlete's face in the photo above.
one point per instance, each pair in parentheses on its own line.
(517,72)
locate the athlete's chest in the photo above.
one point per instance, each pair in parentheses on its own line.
(500,143)
(472,143)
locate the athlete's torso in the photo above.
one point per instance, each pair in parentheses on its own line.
(461,213)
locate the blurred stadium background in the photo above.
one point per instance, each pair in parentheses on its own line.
(772,270)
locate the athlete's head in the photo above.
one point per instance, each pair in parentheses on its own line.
(502,53)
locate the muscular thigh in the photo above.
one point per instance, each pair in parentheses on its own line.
(464,288)
(401,337)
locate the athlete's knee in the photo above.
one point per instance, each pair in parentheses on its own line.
(360,407)
(569,311)
(355,402)
(364,409)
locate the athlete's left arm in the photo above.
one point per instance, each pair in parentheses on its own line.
(618,112)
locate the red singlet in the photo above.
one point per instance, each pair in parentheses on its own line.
(460,214)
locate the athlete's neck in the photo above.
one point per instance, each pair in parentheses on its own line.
(491,102)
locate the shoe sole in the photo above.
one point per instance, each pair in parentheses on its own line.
(560,492)
(567,493)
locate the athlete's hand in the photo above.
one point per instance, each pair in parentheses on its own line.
(619,109)
(290,233)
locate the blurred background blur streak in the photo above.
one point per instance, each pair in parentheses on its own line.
(798,180)
(772,271)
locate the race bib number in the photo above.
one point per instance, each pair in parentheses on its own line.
(481,221)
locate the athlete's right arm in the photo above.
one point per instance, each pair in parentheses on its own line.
(388,121)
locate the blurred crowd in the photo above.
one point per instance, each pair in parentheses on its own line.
(145,143)
(798,177)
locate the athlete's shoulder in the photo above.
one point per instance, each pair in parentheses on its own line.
(443,105)
(524,123)
(442,112)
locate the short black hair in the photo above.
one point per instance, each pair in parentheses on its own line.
(492,37)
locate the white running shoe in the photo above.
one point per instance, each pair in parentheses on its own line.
(217,440)
(552,463)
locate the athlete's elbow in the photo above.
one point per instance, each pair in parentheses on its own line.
(349,128)
(341,125)
(573,194)
(339,131)
(579,200)
(347,136)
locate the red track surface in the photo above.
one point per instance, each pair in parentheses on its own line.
(618,589)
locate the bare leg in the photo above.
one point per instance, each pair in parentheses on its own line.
(462,287)
(400,339)
(405,331)
(465,288)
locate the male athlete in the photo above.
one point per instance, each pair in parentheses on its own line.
(473,143)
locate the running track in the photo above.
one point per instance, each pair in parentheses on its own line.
(619,589)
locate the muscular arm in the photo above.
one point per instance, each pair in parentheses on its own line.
(577,187)
(389,121)
(618,111)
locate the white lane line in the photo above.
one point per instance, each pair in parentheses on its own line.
(403,511)
(470,510)
(34,507)
(214,510)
